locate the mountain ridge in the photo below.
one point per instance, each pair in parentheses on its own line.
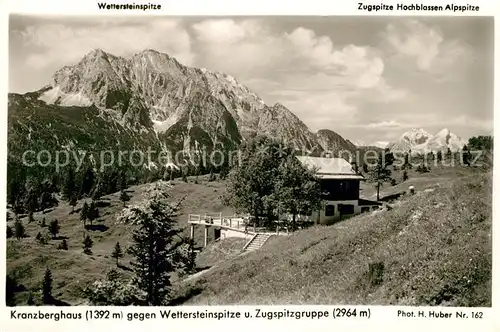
(417,140)
(154,90)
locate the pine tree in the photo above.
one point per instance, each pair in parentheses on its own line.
(117,252)
(47,287)
(69,187)
(87,182)
(211,177)
(31,299)
(54,228)
(10,289)
(32,195)
(30,217)
(10,233)
(15,190)
(124,197)
(73,201)
(122,181)
(154,248)
(466,156)
(189,257)
(84,213)
(405,175)
(98,191)
(439,156)
(93,212)
(43,223)
(379,173)
(19,231)
(87,245)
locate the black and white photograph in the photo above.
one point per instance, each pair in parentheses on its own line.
(249,160)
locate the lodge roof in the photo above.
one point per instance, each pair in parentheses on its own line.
(330,168)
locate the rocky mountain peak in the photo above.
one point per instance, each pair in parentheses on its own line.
(179,102)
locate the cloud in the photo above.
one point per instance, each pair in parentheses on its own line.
(64,43)
(425,45)
(385,124)
(306,72)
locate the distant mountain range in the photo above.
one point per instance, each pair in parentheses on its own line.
(418,140)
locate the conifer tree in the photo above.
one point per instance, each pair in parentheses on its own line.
(54,228)
(47,287)
(10,290)
(31,299)
(73,201)
(93,212)
(87,245)
(84,213)
(154,248)
(380,173)
(19,231)
(124,197)
(466,156)
(10,233)
(32,194)
(405,175)
(117,252)
(69,186)
(87,182)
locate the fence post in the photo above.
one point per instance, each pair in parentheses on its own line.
(206,236)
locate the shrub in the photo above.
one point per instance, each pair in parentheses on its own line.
(87,245)
(376,272)
(422,169)
(19,231)
(42,238)
(10,233)
(63,245)
(54,228)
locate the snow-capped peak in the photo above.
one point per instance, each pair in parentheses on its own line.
(419,141)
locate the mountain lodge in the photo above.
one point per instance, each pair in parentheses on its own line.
(340,189)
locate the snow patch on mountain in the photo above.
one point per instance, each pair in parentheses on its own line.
(416,137)
(379,144)
(56,96)
(359,142)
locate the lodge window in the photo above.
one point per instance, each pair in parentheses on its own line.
(329,210)
(346,209)
(365,209)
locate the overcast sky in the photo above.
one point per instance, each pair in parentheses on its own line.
(367,78)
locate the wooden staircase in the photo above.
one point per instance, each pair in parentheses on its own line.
(256,242)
